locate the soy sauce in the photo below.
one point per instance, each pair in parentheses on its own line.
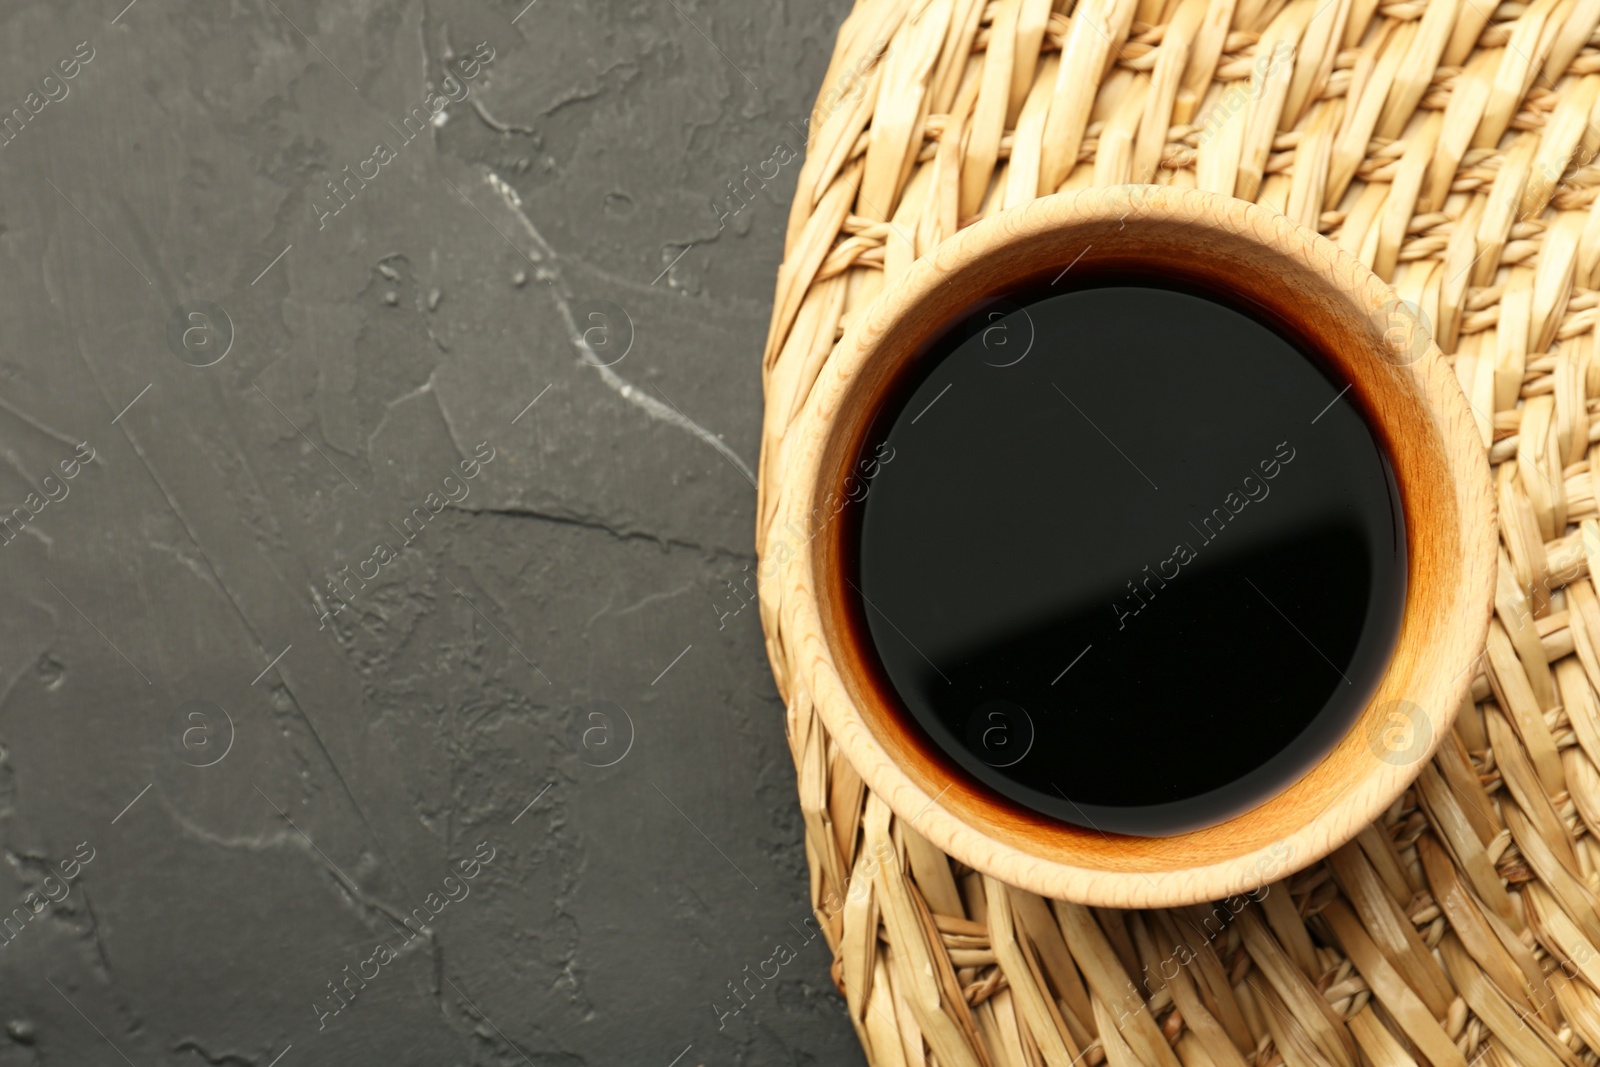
(1138,561)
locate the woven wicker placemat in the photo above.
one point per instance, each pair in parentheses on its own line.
(1446,144)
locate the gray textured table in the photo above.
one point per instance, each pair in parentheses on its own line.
(376,692)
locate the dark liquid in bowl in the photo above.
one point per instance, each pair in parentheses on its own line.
(1134,560)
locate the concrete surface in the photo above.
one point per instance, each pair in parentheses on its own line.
(231,770)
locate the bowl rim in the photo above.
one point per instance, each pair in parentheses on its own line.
(1145,872)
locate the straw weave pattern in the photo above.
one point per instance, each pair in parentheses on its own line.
(1448,145)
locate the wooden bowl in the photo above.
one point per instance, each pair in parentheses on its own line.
(1410,396)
